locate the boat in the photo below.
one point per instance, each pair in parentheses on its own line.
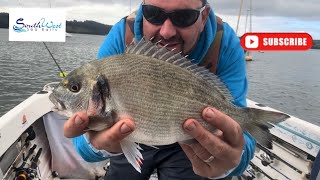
(25,148)
(247,56)
(27,142)
(68,35)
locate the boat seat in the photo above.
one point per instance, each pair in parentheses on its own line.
(65,161)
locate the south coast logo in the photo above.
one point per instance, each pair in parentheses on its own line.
(42,25)
(37,24)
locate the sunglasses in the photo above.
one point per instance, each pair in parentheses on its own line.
(181,18)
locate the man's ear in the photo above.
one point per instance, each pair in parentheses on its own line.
(204,16)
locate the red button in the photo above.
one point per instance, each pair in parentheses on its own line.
(276,41)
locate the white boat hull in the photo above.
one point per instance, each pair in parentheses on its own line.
(296,143)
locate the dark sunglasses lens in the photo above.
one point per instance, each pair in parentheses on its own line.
(184,18)
(154,14)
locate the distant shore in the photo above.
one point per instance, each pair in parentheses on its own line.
(81,27)
(93,27)
(316,44)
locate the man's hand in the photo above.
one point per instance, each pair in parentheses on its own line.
(107,139)
(214,153)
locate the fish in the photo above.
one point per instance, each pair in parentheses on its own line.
(159,89)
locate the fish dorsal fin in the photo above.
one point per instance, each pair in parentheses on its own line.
(149,49)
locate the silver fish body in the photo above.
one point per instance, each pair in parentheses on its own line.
(159,90)
(159,97)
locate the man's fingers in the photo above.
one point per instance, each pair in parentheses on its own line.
(109,138)
(214,168)
(199,166)
(216,151)
(200,151)
(75,125)
(232,132)
(215,146)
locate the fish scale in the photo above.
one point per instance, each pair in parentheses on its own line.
(159,92)
(159,107)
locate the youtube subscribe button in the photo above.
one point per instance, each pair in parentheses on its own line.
(276,41)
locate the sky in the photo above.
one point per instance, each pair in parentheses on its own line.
(267,16)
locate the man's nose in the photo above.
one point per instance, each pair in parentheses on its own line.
(168,30)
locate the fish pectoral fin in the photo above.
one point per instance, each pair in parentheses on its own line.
(86,129)
(99,122)
(131,150)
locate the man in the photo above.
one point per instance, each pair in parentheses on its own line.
(190,27)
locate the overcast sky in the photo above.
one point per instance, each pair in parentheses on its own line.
(268,16)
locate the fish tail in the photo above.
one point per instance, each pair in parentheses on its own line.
(259,123)
(131,151)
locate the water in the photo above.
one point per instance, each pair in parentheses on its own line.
(26,67)
(287,81)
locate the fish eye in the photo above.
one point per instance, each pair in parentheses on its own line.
(74,87)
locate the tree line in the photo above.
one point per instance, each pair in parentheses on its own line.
(82,27)
(316,44)
(92,27)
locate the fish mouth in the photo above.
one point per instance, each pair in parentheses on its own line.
(58,105)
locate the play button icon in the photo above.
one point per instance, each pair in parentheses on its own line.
(251,41)
(276,41)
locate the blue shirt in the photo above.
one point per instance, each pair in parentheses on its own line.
(231,70)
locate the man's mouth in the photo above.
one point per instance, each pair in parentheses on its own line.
(170,46)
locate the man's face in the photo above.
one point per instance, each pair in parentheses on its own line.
(182,39)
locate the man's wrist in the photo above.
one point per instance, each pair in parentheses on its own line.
(102,153)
